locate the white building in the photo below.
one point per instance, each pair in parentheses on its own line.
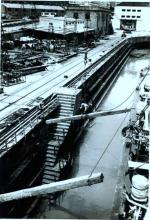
(61,24)
(132,16)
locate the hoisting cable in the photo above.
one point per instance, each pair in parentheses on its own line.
(109,143)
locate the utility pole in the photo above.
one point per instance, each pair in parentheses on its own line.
(53,187)
(76,16)
(65,35)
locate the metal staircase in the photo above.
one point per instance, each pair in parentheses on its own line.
(51,169)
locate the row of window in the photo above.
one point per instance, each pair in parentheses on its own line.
(128,16)
(73,22)
(133,10)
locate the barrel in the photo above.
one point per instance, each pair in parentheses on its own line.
(139,190)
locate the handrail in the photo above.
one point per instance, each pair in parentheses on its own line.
(36,115)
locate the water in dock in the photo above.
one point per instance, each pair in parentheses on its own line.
(99,201)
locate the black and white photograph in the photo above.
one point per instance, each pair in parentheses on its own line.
(75,109)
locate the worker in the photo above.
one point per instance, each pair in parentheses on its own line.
(84,107)
(141,73)
(123,34)
(85,58)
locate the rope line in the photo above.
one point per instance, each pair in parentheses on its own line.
(109,143)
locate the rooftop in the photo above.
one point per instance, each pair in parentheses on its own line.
(135,4)
(31,6)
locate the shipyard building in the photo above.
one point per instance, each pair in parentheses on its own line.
(97,17)
(132,16)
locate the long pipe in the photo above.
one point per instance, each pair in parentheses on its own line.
(53,187)
(86,116)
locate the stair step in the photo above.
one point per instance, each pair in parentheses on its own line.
(66,97)
(49,164)
(61,130)
(45,181)
(63,126)
(50,169)
(51,176)
(67,106)
(51,160)
(50,179)
(51,173)
(53,142)
(67,111)
(52,152)
(52,148)
(60,135)
(65,102)
(49,155)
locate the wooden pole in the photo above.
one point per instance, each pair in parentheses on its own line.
(86,116)
(53,187)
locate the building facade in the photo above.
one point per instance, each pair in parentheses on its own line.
(62,25)
(32,8)
(132,16)
(97,17)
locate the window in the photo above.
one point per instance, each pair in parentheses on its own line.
(122,16)
(128,16)
(133,16)
(133,10)
(138,16)
(76,15)
(87,15)
(128,9)
(139,10)
(123,9)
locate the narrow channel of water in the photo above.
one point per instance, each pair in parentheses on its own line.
(97,201)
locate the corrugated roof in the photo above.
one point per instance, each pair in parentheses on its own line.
(31,6)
